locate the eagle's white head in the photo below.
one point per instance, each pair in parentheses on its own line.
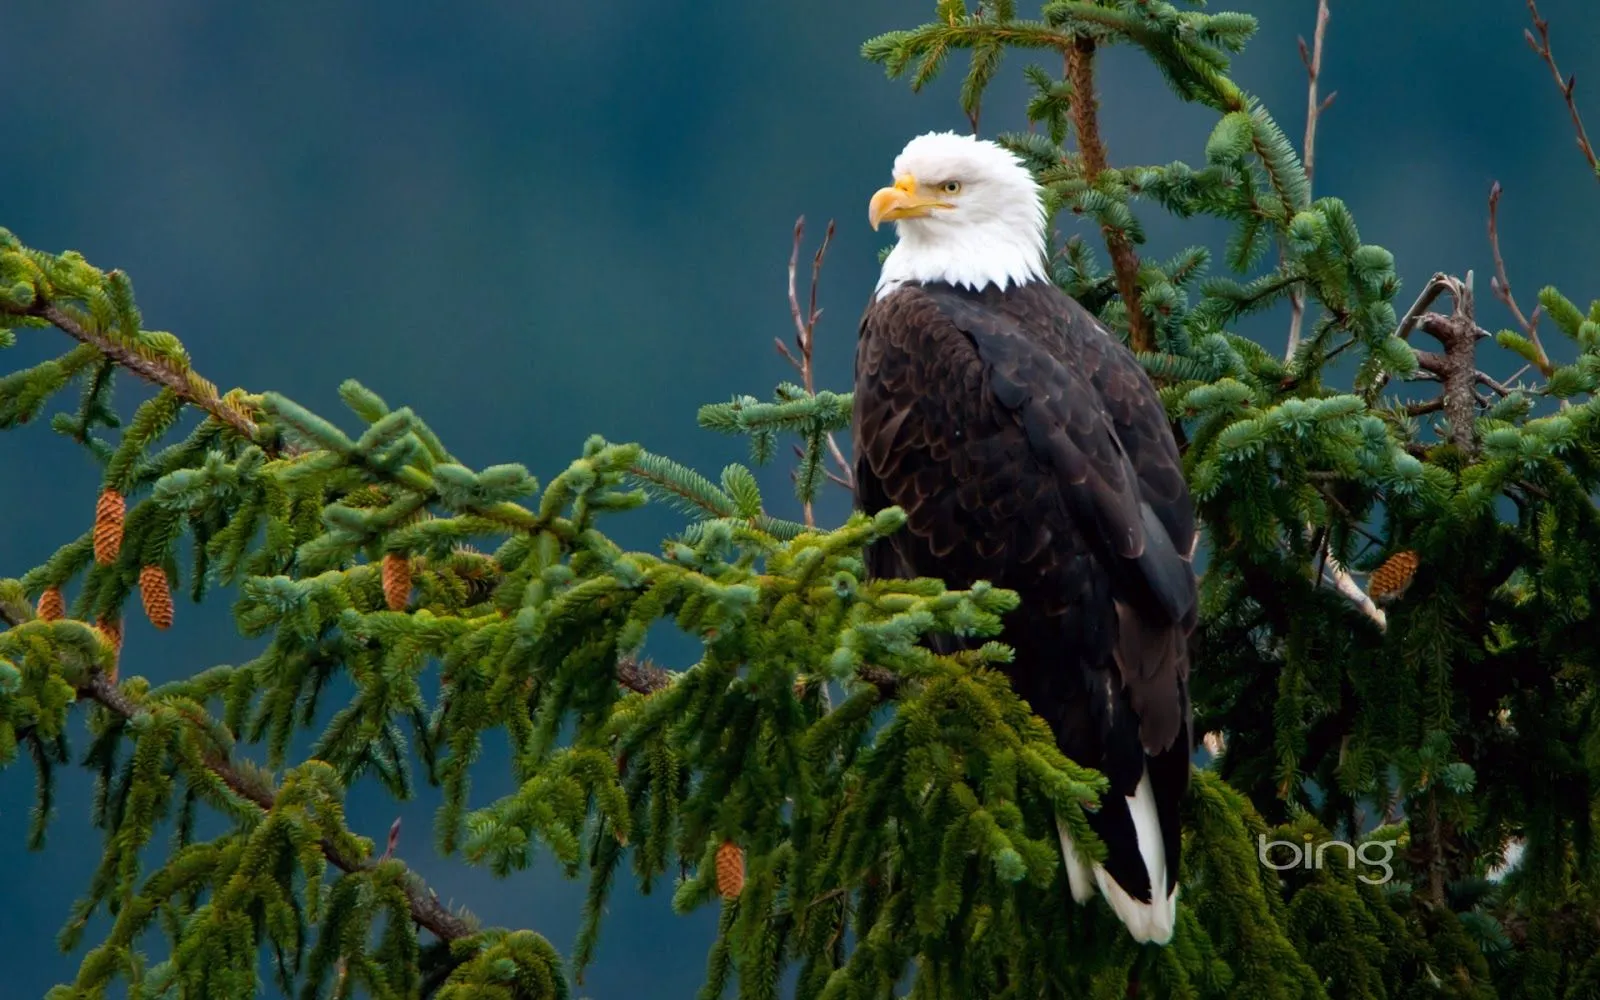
(968,213)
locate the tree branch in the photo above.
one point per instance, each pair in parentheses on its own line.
(1314,108)
(425,907)
(1080,71)
(1498,388)
(805,328)
(1501,286)
(1541,47)
(1457,367)
(188,386)
(1436,286)
(634,673)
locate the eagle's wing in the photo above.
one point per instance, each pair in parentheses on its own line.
(1028,434)
(1089,411)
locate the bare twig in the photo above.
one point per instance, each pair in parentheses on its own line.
(394,841)
(1124,261)
(1313,64)
(805,328)
(846,476)
(1541,47)
(1436,286)
(1501,286)
(1312,59)
(805,325)
(1498,388)
(1320,478)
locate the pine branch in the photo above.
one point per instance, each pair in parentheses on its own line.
(425,907)
(1080,71)
(1566,84)
(188,387)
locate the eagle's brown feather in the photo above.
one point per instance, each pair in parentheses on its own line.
(1028,448)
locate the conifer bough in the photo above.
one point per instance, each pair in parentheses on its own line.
(894,814)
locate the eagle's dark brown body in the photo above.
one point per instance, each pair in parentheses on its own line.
(1028,448)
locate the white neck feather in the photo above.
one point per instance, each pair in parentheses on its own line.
(998,251)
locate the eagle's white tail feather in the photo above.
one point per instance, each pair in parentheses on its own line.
(1147,922)
(1079,876)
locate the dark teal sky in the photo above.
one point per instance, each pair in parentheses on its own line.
(532,222)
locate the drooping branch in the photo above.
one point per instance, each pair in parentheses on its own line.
(635,674)
(1085,121)
(425,907)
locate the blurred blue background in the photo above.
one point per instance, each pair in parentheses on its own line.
(532,222)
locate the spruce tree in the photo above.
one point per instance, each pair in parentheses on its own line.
(870,818)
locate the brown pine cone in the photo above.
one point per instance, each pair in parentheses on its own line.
(52,606)
(730,870)
(108,526)
(1390,580)
(156,595)
(396,580)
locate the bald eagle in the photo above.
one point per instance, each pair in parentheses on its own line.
(1028,448)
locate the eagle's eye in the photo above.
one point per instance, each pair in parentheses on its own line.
(951,187)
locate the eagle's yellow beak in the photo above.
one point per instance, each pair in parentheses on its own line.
(900,202)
